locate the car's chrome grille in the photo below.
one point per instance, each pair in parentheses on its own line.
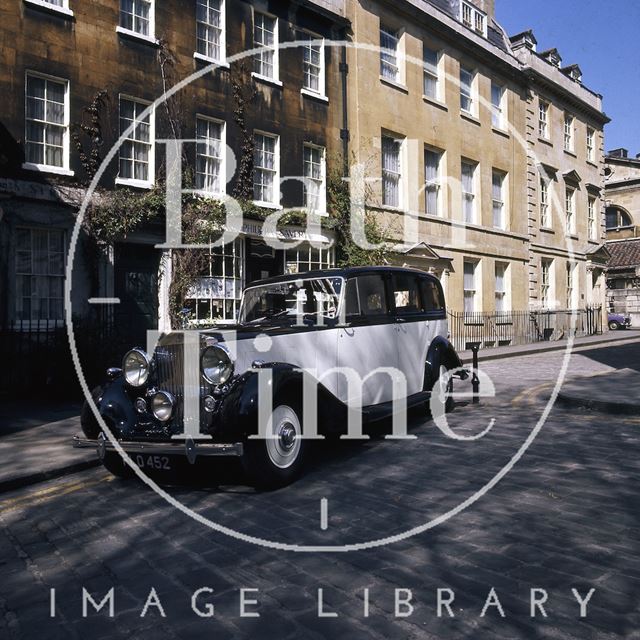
(169,376)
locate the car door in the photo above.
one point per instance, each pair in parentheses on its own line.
(368,342)
(413,333)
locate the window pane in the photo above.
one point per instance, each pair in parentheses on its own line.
(388,54)
(406,294)
(372,295)
(469,275)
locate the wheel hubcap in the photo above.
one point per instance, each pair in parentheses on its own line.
(283,443)
(287,436)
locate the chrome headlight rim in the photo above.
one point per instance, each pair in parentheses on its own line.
(167,398)
(228,369)
(142,380)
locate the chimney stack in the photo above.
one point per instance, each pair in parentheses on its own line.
(619,153)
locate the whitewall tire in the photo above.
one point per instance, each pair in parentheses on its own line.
(277,460)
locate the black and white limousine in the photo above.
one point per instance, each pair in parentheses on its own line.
(337,324)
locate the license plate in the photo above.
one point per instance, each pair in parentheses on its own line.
(155,463)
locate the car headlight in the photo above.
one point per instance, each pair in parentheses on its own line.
(162,405)
(136,366)
(217,365)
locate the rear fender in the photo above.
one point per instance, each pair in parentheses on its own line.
(441,353)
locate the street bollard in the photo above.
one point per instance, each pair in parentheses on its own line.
(475,381)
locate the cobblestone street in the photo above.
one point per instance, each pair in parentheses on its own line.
(564,518)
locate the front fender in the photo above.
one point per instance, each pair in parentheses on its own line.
(115,407)
(237,415)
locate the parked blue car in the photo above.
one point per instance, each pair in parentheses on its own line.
(618,321)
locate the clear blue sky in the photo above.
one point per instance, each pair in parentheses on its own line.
(603,37)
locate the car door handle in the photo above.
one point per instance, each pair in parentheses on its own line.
(400,320)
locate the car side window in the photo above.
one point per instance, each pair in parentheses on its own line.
(352,299)
(373,299)
(406,294)
(431,295)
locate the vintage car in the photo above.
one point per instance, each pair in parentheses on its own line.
(618,321)
(364,319)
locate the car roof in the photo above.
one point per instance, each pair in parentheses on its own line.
(344,272)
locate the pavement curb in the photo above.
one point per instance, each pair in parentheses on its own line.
(36,478)
(516,352)
(604,406)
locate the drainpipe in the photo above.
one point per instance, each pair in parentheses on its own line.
(344,132)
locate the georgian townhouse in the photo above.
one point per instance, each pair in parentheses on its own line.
(437,115)
(75,75)
(565,181)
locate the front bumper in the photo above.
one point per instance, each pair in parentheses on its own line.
(190,448)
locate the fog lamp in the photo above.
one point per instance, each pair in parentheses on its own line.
(162,405)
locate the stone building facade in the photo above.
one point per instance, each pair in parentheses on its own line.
(622,193)
(565,174)
(437,106)
(444,121)
(449,159)
(56,59)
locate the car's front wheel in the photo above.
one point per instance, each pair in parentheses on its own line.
(613,325)
(277,460)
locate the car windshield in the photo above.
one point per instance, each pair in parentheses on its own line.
(305,299)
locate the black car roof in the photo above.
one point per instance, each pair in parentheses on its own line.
(345,272)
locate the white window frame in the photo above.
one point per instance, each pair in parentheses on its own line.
(543,193)
(569,133)
(320,183)
(591,144)
(147,37)
(546,281)
(592,202)
(302,256)
(222,59)
(390,57)
(570,285)
(470,294)
(222,159)
(502,297)
(499,202)
(570,210)
(48,5)
(43,166)
(432,73)
(63,255)
(396,177)
(275,189)
(433,185)
(543,119)
(472,18)
(235,251)
(275,50)
(321,92)
(469,196)
(499,110)
(471,94)
(135,182)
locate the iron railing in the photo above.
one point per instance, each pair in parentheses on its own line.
(521,327)
(36,358)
